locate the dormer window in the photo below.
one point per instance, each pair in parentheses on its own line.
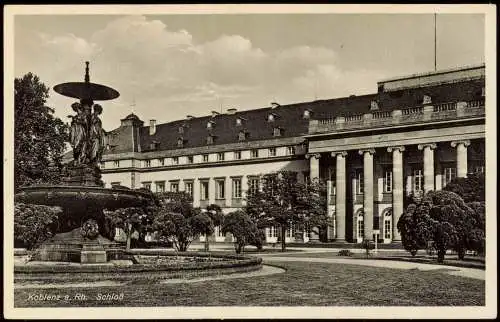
(307,114)
(277,131)
(210,124)
(242,136)
(373,106)
(239,121)
(427,99)
(210,139)
(181,129)
(271,117)
(180,142)
(153,145)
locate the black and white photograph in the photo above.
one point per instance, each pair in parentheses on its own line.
(250,161)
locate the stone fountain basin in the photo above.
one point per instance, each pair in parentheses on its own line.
(76,197)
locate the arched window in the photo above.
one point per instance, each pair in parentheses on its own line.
(360,225)
(387,225)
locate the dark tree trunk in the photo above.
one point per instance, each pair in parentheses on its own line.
(440,254)
(207,244)
(461,253)
(283,233)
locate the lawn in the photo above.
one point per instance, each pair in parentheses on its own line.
(303,284)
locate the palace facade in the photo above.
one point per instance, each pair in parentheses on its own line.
(414,135)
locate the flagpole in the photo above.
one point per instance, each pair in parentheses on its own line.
(435,44)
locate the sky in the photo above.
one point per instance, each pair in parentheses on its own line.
(169,66)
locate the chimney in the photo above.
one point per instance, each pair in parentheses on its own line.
(215,113)
(231,111)
(190,117)
(274,105)
(152,127)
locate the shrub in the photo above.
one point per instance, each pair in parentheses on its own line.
(243,228)
(345,252)
(33,224)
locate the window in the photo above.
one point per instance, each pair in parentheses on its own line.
(388,225)
(160,186)
(272,152)
(449,174)
(387,180)
(242,136)
(181,129)
(270,117)
(189,188)
(210,139)
(253,185)
(175,160)
(116,163)
(219,232)
(205,158)
(174,186)
(114,184)
(254,153)
(210,124)
(290,150)
(220,156)
(161,162)
(307,177)
(204,190)
(359,181)
(147,163)
(146,185)
(361,226)
(238,121)
(417,180)
(479,169)
(276,131)
(272,232)
(180,143)
(237,155)
(220,189)
(190,159)
(237,188)
(290,233)
(307,114)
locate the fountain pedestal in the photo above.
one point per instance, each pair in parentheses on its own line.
(91,254)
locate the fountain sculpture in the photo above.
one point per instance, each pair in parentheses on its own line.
(83,234)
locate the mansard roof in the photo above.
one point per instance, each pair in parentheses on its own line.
(291,117)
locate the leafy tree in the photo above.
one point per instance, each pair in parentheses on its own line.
(243,228)
(34,224)
(39,137)
(470,189)
(283,202)
(129,220)
(216,215)
(177,220)
(414,227)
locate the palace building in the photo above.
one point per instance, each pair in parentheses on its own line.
(415,134)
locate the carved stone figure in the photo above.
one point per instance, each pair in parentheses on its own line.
(78,133)
(97,135)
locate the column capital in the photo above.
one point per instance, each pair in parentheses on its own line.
(362,152)
(341,153)
(313,155)
(432,146)
(466,143)
(399,148)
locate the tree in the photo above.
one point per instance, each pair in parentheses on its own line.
(129,220)
(283,202)
(243,228)
(34,224)
(441,217)
(413,226)
(177,220)
(470,189)
(216,215)
(39,137)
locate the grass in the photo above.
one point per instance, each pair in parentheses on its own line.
(303,284)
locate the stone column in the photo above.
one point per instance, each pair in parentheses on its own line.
(368,191)
(397,188)
(340,196)
(196,193)
(313,165)
(461,147)
(314,175)
(428,165)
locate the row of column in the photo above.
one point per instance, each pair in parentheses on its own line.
(397,184)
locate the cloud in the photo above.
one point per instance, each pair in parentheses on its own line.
(169,74)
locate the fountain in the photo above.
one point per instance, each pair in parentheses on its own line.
(82,235)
